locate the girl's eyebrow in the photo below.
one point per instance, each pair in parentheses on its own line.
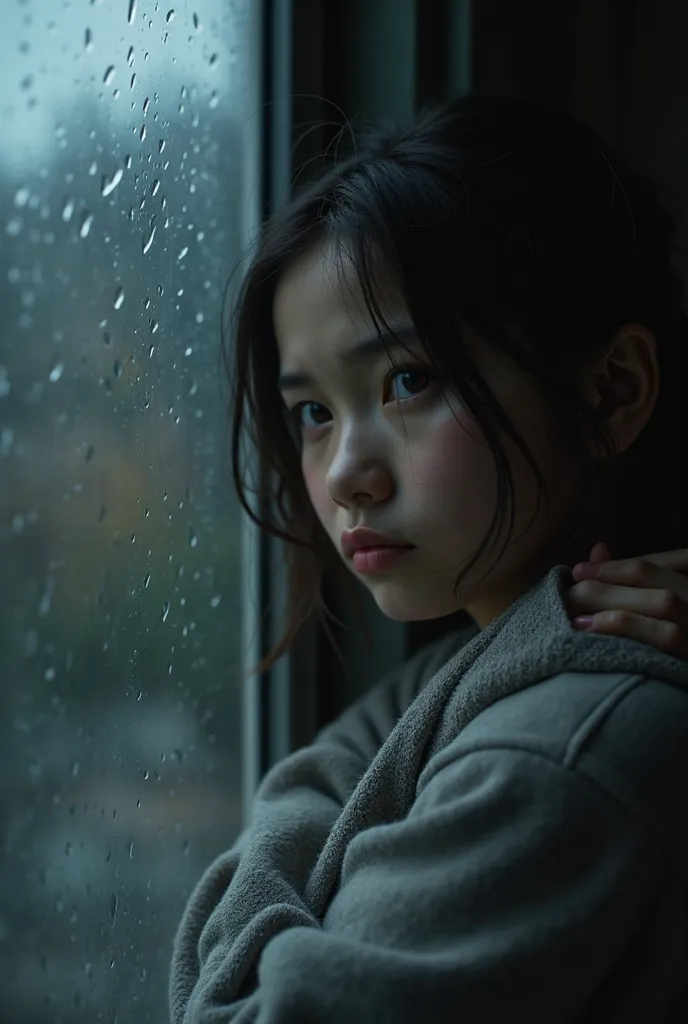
(362,351)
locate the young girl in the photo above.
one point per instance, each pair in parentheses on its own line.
(461,354)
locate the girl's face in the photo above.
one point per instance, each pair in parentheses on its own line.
(403,457)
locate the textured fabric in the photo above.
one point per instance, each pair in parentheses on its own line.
(497,829)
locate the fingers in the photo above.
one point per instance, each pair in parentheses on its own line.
(643,599)
(634,572)
(600,553)
(594,598)
(676,560)
(666,636)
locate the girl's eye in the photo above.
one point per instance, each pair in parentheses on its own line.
(417,381)
(295,415)
(409,372)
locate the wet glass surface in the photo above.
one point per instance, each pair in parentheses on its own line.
(120,215)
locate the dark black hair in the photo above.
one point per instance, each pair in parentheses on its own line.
(516,220)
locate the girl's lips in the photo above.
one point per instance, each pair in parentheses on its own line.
(377,559)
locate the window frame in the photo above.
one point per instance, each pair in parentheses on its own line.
(315,56)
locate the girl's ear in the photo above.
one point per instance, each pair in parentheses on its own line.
(623,384)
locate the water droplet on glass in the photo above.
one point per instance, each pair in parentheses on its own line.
(88,41)
(183,253)
(117,369)
(146,105)
(151,350)
(132,12)
(155,187)
(90,452)
(146,579)
(109,75)
(127,162)
(214,601)
(56,372)
(119,297)
(14,227)
(67,209)
(131,851)
(171,15)
(21,197)
(214,99)
(165,611)
(6,441)
(93,168)
(109,185)
(132,81)
(85,225)
(142,133)
(114,903)
(161,145)
(153,325)
(213,60)
(196,22)
(193,539)
(149,241)
(75,769)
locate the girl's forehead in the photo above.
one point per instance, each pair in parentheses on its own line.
(321,290)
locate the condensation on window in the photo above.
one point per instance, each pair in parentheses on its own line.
(121,197)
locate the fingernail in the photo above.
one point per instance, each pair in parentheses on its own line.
(583,621)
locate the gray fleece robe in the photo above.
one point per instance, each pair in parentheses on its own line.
(496,831)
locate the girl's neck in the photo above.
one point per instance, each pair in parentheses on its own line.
(572,544)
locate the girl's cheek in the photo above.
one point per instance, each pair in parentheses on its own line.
(315,485)
(453,455)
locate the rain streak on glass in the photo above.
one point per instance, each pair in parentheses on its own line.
(147,242)
(85,225)
(109,185)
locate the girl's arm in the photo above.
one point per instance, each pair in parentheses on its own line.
(516,888)
(300,799)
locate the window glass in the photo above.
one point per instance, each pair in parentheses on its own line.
(122,197)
